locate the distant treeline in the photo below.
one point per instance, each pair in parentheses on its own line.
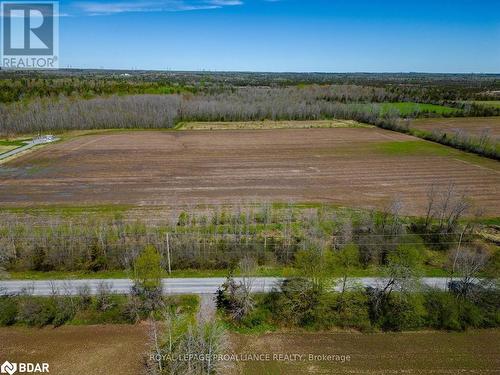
(23,89)
(412,86)
(164,111)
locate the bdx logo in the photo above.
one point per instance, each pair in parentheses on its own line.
(29,34)
(11,368)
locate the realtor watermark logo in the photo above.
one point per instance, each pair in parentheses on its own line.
(23,368)
(30,35)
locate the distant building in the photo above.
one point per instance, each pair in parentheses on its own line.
(44,139)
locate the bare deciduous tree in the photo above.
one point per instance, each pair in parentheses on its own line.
(467,263)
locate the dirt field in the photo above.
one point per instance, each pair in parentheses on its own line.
(470,125)
(360,167)
(475,352)
(111,349)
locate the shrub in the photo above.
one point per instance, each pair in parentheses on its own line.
(84,296)
(442,311)
(147,269)
(352,310)
(256,318)
(133,310)
(295,303)
(259,319)
(64,310)
(147,289)
(115,313)
(400,312)
(471,315)
(36,312)
(451,312)
(39,260)
(8,311)
(103,301)
(141,302)
(235,298)
(183,219)
(193,342)
(96,259)
(489,301)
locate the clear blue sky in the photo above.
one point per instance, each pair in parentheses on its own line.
(283,35)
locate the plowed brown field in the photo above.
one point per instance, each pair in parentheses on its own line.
(474,126)
(473,352)
(359,167)
(90,350)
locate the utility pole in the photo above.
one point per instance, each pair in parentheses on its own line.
(168,256)
(457,254)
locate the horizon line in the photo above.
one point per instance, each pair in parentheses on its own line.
(3,69)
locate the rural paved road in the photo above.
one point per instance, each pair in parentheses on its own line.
(15,151)
(27,146)
(171,286)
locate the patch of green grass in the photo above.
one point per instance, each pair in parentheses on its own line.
(428,148)
(68,211)
(409,108)
(489,221)
(190,303)
(165,90)
(9,145)
(488,103)
(17,142)
(245,330)
(83,133)
(63,275)
(263,271)
(31,171)
(269,124)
